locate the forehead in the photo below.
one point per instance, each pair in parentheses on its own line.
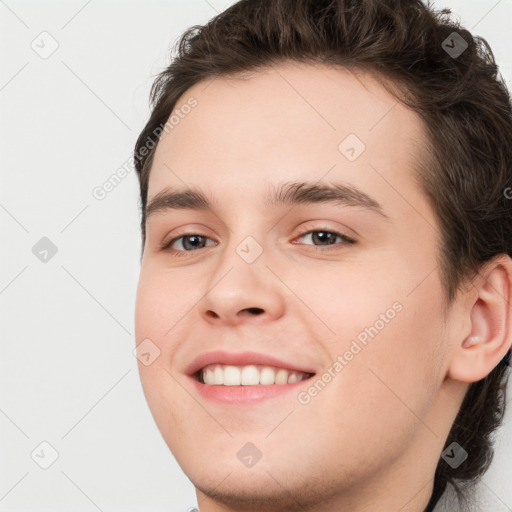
(289,122)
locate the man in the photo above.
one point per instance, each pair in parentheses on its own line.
(326,268)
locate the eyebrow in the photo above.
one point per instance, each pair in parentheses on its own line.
(285,194)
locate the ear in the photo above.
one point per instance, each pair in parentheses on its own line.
(490,320)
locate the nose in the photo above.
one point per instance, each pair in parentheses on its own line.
(240,292)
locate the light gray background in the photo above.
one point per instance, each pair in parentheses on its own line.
(67,372)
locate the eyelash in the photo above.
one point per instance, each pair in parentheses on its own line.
(166,246)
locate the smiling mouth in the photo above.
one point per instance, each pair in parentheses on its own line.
(248,375)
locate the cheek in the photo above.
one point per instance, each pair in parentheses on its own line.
(156,314)
(346,297)
(400,369)
(161,301)
(389,343)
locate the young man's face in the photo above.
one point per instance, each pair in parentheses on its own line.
(273,278)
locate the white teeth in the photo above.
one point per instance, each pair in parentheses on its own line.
(282,376)
(218,375)
(251,375)
(232,376)
(267,376)
(292,378)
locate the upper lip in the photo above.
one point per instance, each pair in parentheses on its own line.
(241,359)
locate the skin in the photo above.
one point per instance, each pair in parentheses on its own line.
(371,439)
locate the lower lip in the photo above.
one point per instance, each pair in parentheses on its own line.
(246,394)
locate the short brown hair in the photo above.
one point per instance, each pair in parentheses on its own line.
(466,111)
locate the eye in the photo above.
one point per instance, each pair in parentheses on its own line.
(192,241)
(327,239)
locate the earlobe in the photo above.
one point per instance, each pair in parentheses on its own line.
(490,336)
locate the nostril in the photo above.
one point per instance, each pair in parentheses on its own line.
(256,311)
